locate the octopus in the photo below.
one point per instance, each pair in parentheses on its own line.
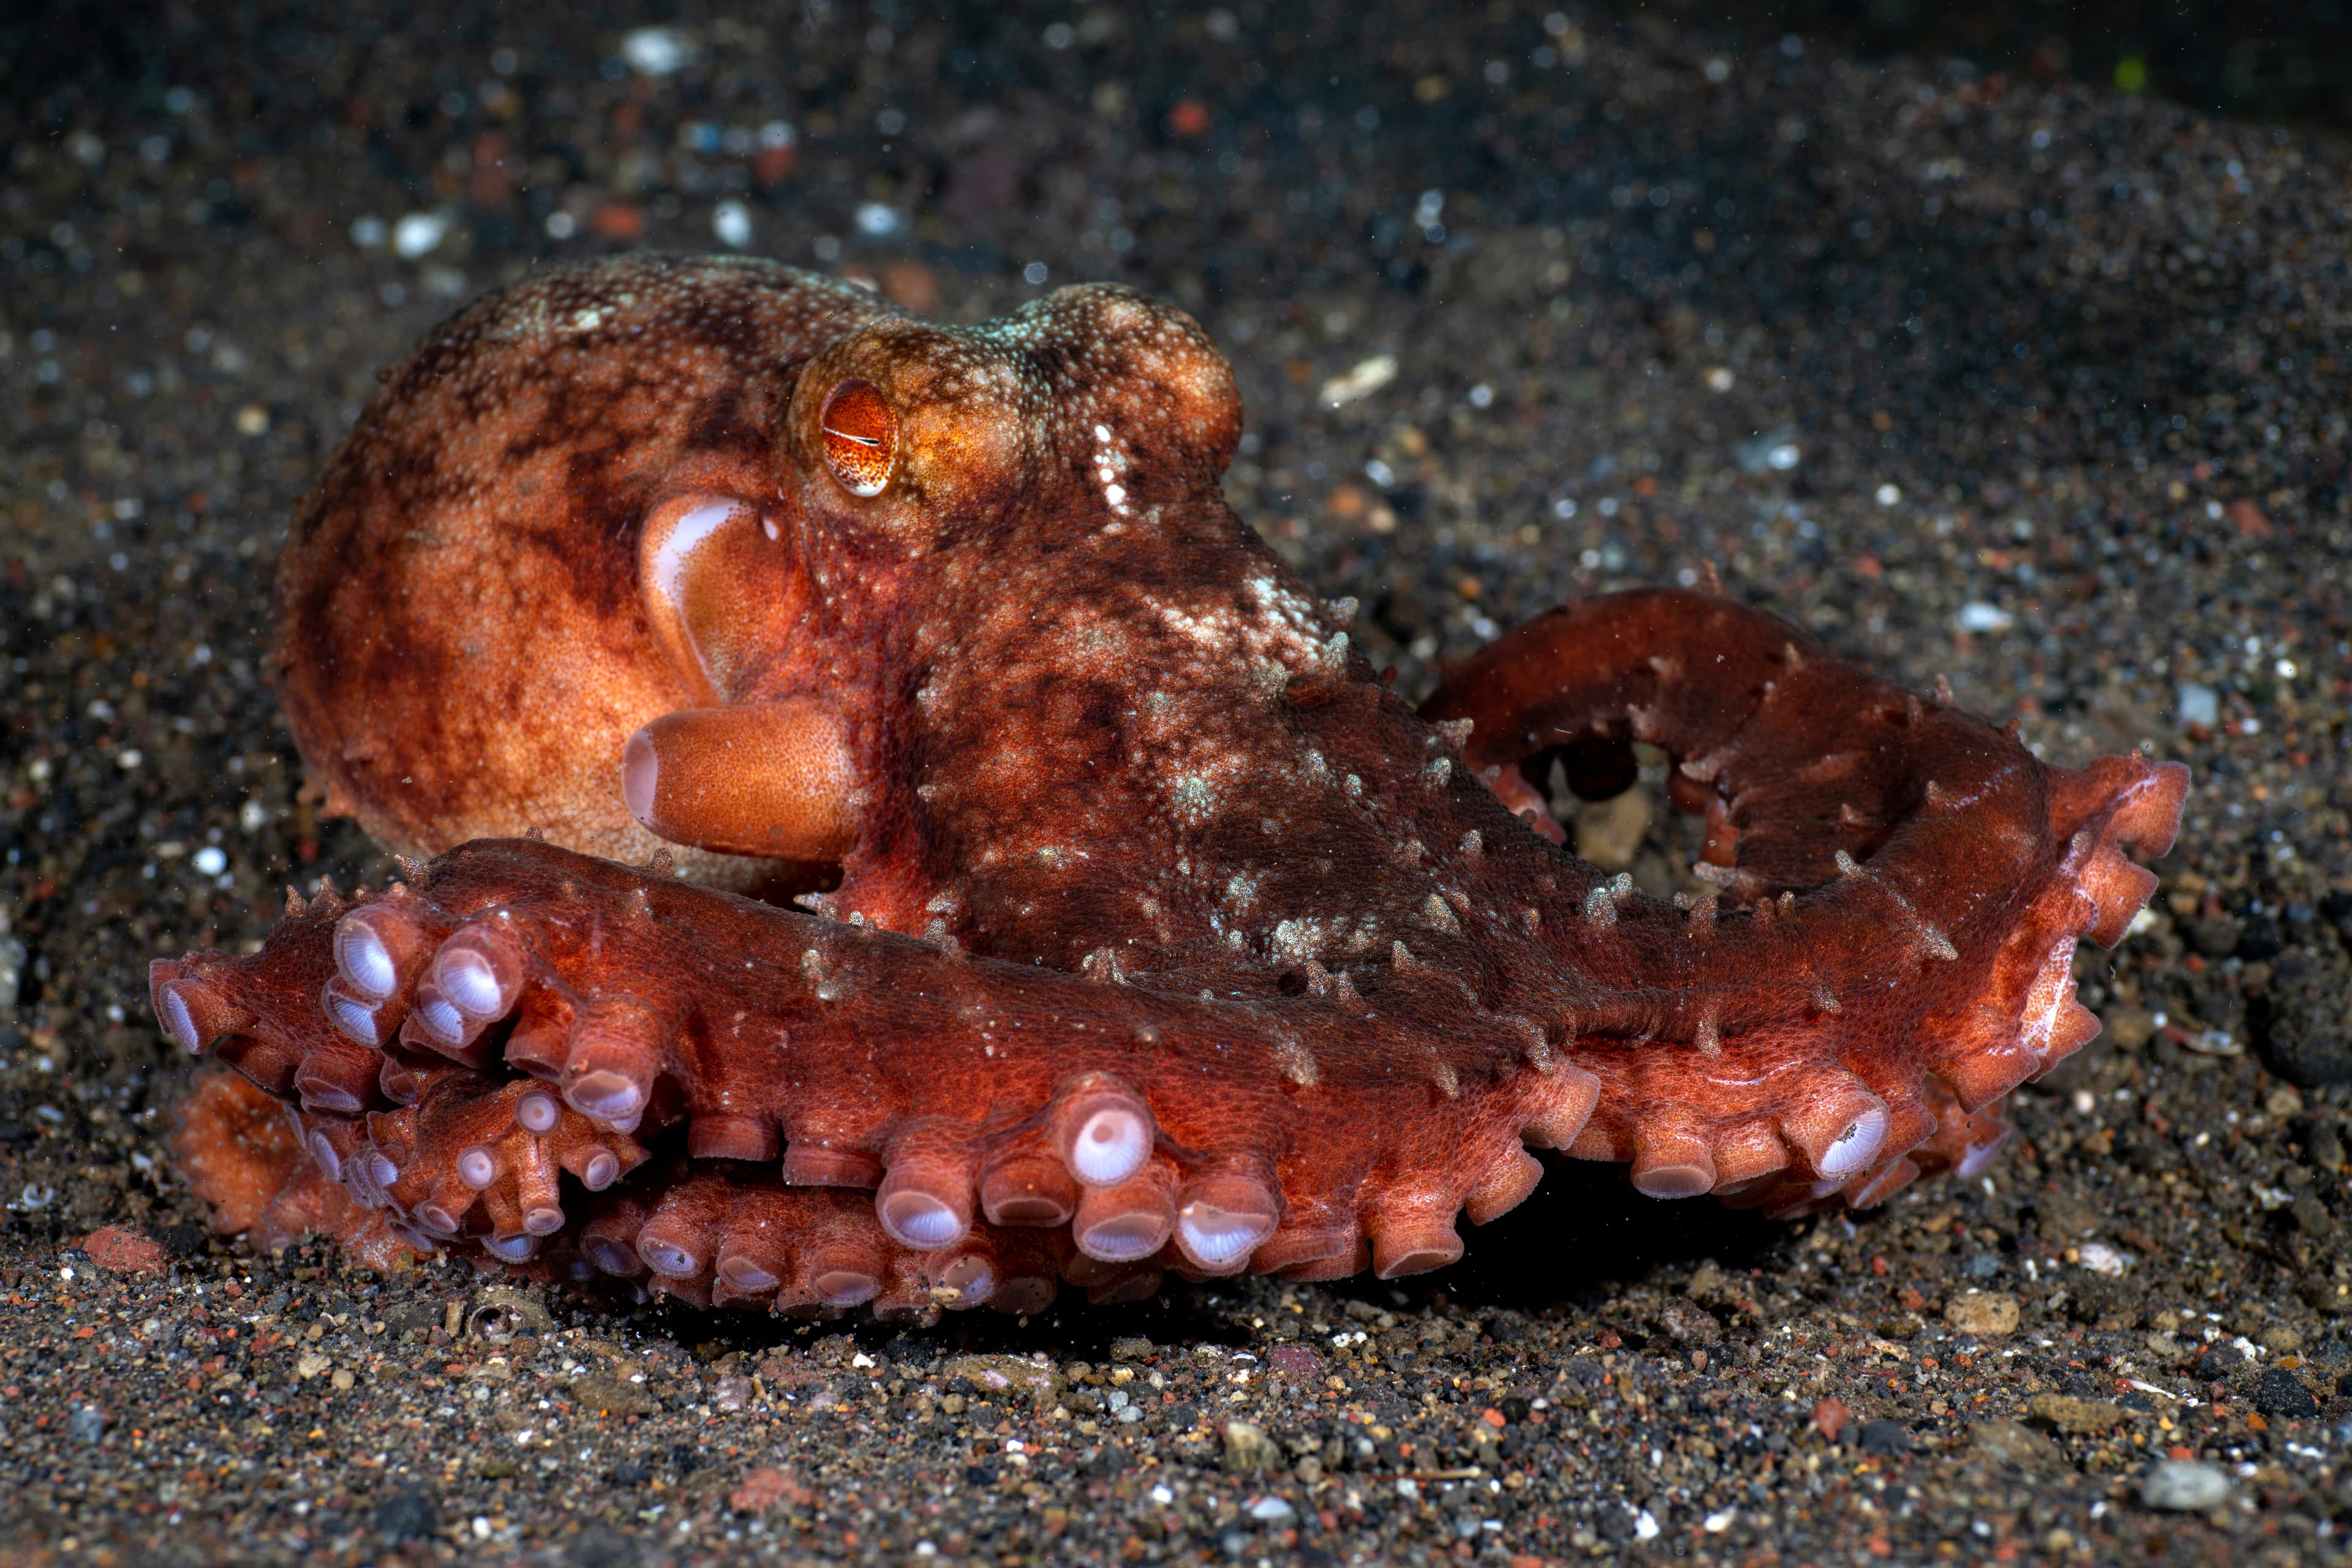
(877,830)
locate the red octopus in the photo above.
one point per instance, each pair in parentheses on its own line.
(1160,932)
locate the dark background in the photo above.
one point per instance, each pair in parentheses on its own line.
(2265,60)
(2286,60)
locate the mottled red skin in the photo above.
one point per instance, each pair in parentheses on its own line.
(1116,810)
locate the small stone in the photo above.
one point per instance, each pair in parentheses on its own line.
(2216,938)
(2308,1042)
(409,1514)
(1688,1322)
(2014,1443)
(602,1393)
(2130,1027)
(120,1250)
(2077,1417)
(2310,1215)
(1609,832)
(87,1424)
(1708,1282)
(994,1376)
(1293,1360)
(766,1487)
(1830,1418)
(2282,1338)
(1887,1439)
(2280,1393)
(2183,1485)
(2219,1362)
(2062,1218)
(1248,1449)
(1988,1314)
(310,1364)
(1272,1510)
(343,1381)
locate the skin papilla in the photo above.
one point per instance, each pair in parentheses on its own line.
(1161,934)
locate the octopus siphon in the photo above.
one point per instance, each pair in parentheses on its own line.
(885,834)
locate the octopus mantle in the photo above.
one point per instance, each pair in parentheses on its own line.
(650,597)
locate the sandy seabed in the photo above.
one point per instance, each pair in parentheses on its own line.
(2033,387)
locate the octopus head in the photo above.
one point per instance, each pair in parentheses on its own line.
(911,438)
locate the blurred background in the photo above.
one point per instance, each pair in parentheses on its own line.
(2265,60)
(2286,60)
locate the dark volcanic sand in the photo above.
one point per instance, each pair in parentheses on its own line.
(2037,388)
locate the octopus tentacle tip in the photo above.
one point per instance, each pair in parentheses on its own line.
(608,1097)
(1504,1188)
(1103,1131)
(808,1163)
(611,1255)
(1414,1249)
(1028,1189)
(1108,1148)
(371,946)
(479,972)
(1972,1163)
(640,776)
(361,1021)
(442,1025)
(1222,1219)
(536,1111)
(193,1013)
(478,1167)
(845,1280)
(723,1136)
(919,1216)
(438,1219)
(1130,1222)
(1672,1160)
(967,1281)
(1840,1128)
(747,1275)
(1028,1295)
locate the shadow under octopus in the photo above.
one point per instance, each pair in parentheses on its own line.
(1158,932)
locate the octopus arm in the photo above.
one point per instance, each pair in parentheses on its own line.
(533,1013)
(1903,886)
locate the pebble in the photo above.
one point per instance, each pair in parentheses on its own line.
(2078,1417)
(124,1251)
(2014,1443)
(2279,1393)
(2184,1486)
(1248,1449)
(1987,1314)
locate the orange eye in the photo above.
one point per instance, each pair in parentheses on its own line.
(861,437)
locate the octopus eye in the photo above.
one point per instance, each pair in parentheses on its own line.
(861,436)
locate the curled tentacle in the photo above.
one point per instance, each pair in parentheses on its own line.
(1903,888)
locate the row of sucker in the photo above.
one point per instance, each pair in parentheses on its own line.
(403,1105)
